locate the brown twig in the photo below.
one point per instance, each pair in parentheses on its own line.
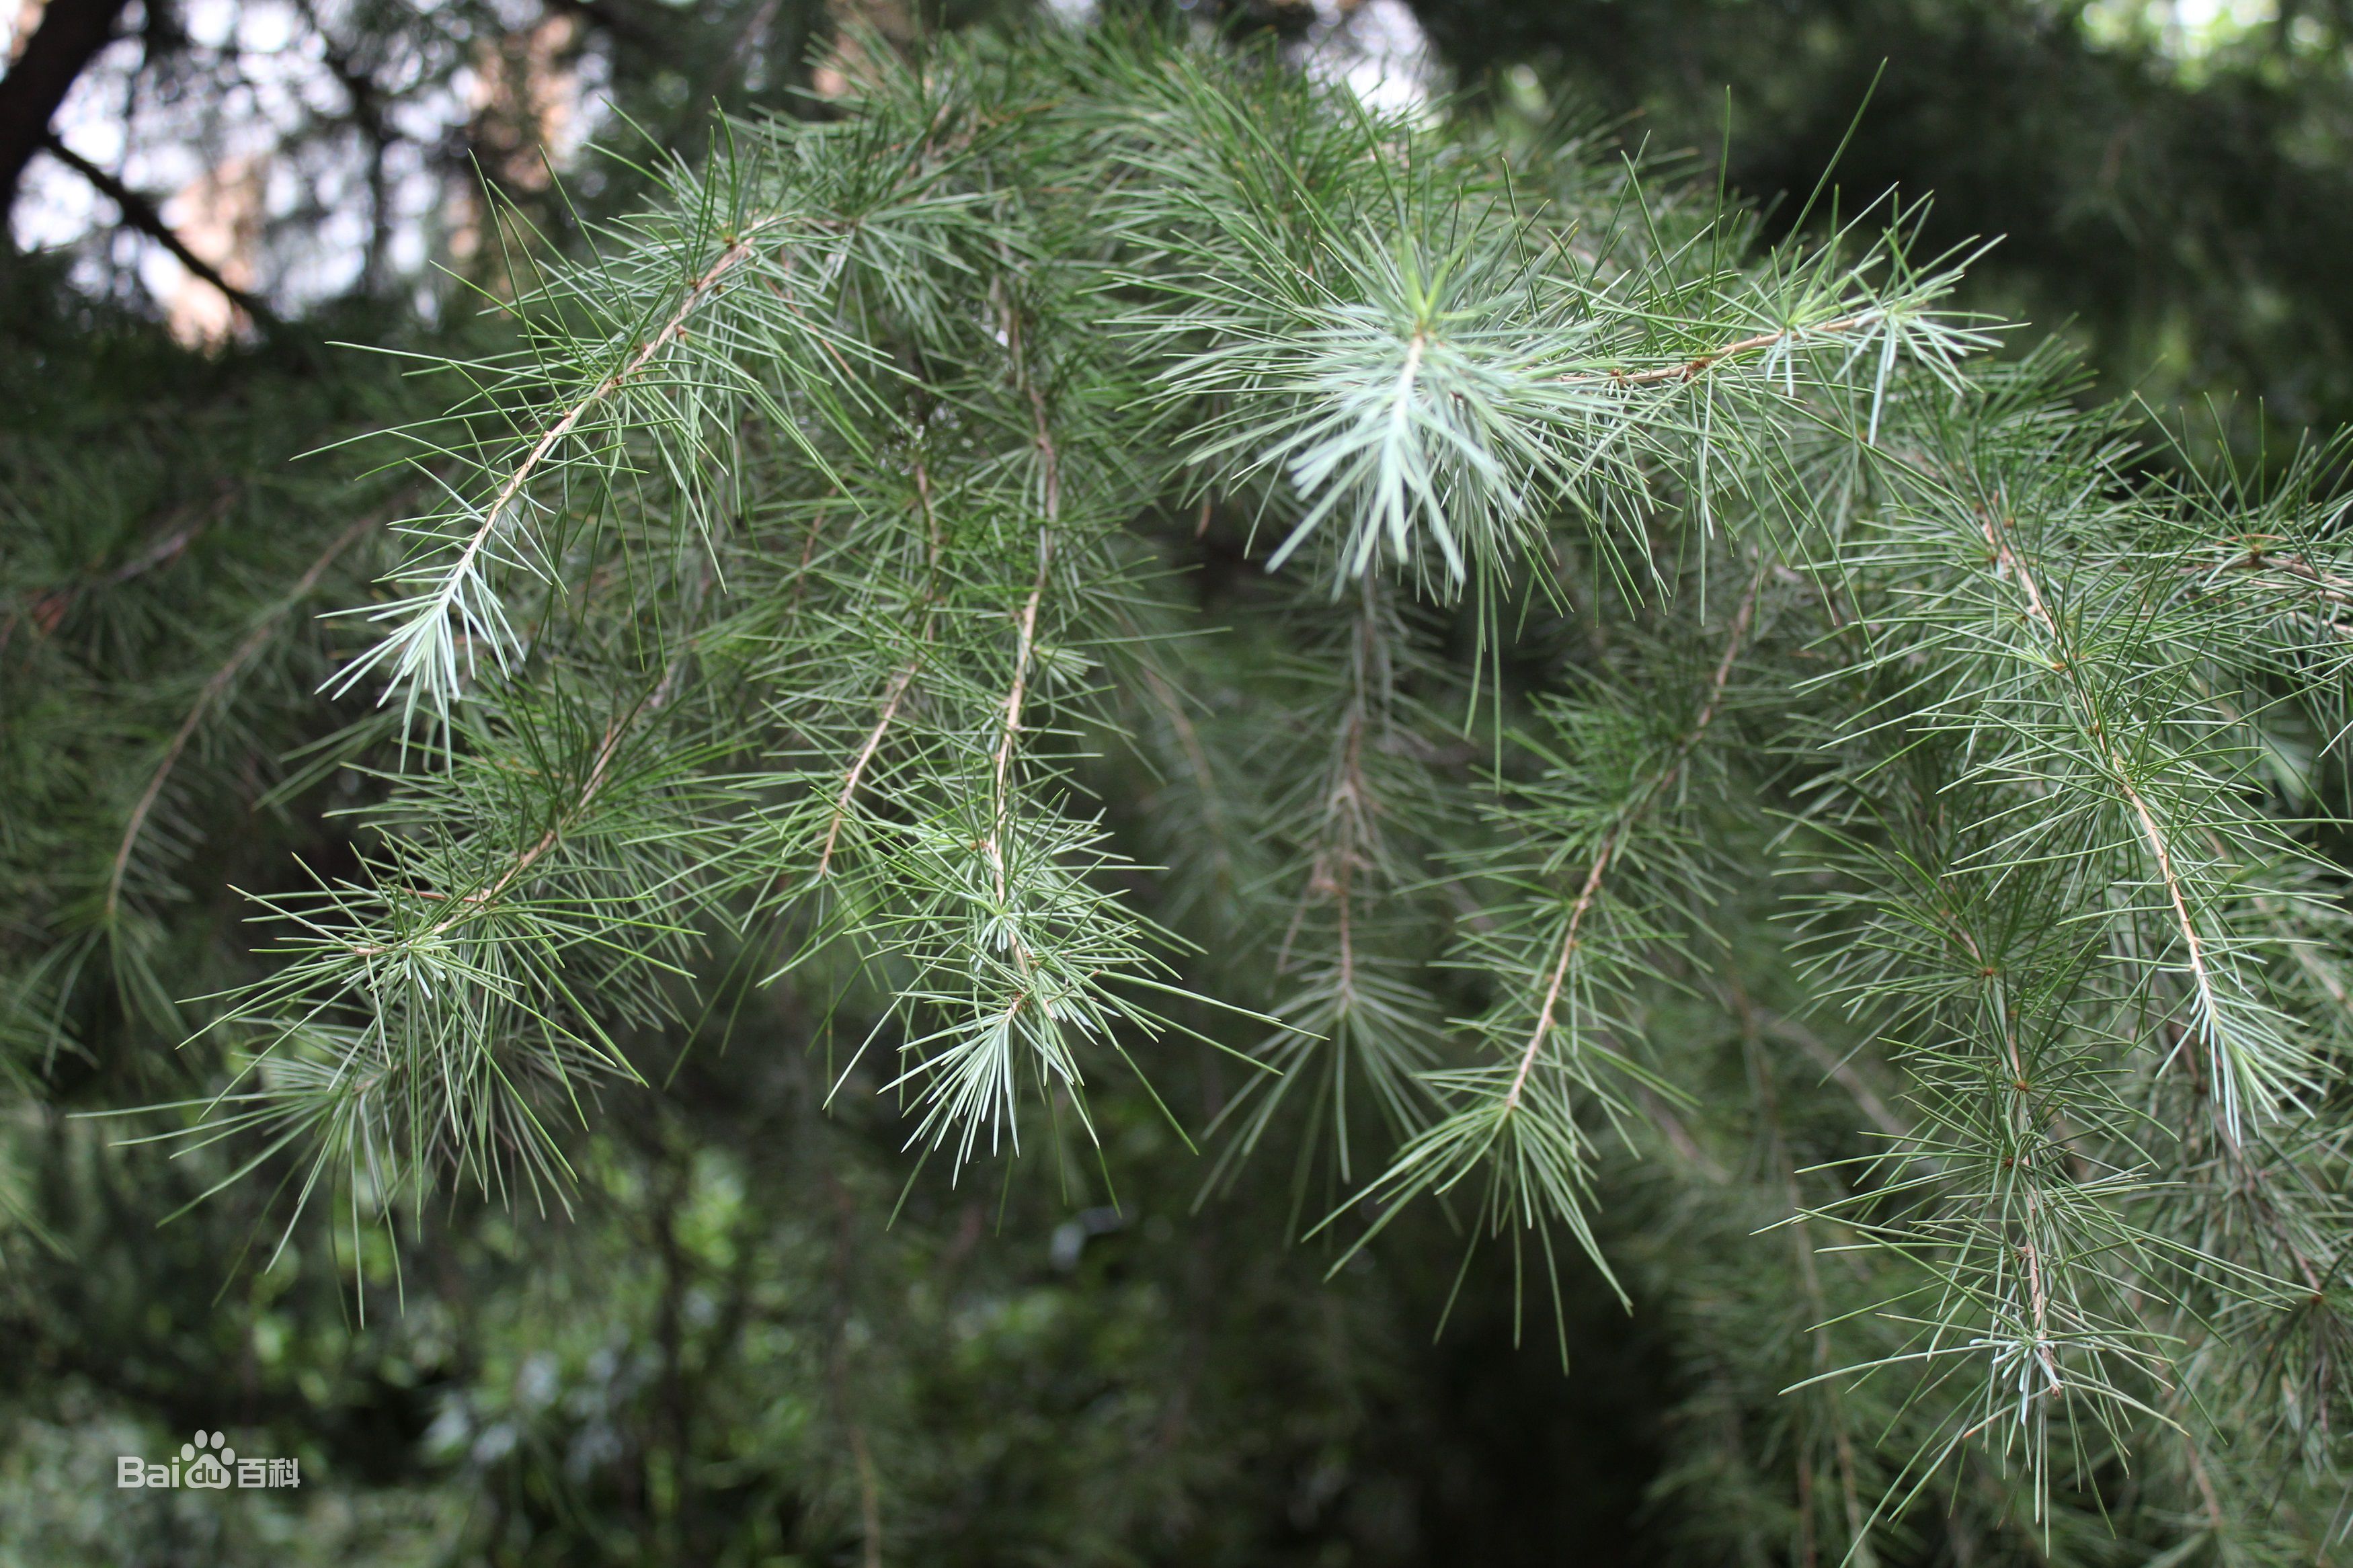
(744,246)
(892,695)
(1346,807)
(1615,839)
(895,691)
(2257,559)
(1693,368)
(1025,642)
(2038,612)
(599,769)
(1025,622)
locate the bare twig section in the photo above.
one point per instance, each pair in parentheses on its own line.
(1348,802)
(2157,845)
(892,695)
(1025,642)
(1615,840)
(2039,1302)
(2205,1483)
(1025,621)
(1050,458)
(214,688)
(1051,462)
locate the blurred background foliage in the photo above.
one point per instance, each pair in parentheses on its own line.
(748,1338)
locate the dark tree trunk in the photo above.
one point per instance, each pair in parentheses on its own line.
(70,34)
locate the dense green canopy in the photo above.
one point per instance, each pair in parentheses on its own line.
(996,782)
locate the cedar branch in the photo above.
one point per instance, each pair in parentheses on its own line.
(1615,839)
(2150,832)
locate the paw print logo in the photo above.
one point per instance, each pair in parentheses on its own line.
(208,1459)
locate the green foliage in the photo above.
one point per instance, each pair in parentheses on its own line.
(1657,752)
(2172,204)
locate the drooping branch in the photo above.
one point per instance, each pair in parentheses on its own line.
(1346,805)
(2151,834)
(697,292)
(1001,765)
(1050,458)
(1573,937)
(600,766)
(895,691)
